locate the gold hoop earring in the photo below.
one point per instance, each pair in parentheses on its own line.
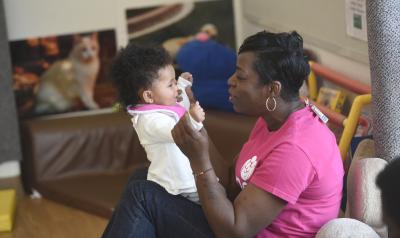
(267,106)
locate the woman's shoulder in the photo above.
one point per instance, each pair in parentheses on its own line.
(306,122)
(307,131)
(314,137)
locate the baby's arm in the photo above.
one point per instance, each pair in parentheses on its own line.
(197,112)
(185,82)
(196,116)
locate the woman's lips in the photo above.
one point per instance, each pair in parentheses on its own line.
(231,97)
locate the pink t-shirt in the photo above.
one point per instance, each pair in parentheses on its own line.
(299,163)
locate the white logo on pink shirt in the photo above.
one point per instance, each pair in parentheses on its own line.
(248,168)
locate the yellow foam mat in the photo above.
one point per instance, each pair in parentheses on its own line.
(7,209)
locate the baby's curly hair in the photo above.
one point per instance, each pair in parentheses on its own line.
(134,68)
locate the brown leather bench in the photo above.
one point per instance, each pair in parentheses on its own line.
(85,161)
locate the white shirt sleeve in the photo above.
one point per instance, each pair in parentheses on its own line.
(195,124)
(182,85)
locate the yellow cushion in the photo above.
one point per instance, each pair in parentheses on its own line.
(7,209)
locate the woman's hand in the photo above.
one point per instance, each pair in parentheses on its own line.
(194,144)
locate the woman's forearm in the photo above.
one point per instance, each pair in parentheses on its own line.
(217,207)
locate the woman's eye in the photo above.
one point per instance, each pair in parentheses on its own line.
(239,77)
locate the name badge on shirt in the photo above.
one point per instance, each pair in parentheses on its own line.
(317,112)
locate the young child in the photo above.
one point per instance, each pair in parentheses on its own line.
(146,84)
(388,181)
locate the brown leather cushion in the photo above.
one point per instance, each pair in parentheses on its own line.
(81,161)
(62,147)
(95,193)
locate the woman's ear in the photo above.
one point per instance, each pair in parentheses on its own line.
(275,88)
(147,96)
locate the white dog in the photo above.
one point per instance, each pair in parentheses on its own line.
(71,79)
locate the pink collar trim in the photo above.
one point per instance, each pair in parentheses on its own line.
(177,109)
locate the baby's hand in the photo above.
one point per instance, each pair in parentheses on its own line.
(188,76)
(197,112)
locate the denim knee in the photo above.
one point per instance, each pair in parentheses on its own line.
(143,190)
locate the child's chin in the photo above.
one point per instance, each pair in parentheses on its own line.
(172,103)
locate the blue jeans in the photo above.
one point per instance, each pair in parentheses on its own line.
(147,210)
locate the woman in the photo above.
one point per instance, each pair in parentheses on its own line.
(288,174)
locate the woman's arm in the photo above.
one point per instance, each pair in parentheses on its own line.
(232,189)
(252,210)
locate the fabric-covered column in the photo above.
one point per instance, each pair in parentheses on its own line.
(383,24)
(9,143)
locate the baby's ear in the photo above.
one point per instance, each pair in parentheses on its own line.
(147,96)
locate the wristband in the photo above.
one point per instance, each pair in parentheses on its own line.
(201,172)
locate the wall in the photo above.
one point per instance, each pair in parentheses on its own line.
(321,23)
(48,17)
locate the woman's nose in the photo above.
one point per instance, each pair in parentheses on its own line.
(231,81)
